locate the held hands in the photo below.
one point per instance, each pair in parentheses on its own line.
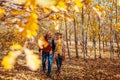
(50,52)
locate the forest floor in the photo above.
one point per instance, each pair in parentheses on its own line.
(72,69)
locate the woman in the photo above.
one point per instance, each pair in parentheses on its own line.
(59,52)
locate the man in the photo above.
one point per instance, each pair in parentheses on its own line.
(45,44)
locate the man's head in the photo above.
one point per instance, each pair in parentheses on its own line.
(48,34)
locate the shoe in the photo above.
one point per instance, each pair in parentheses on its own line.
(48,75)
(44,73)
(59,73)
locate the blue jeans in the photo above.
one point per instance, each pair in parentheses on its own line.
(44,57)
(59,62)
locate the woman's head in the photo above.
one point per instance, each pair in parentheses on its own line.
(58,35)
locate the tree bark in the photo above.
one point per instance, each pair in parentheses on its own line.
(112,38)
(116,34)
(68,50)
(94,45)
(75,37)
(99,38)
(83,41)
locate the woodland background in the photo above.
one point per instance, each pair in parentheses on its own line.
(90,28)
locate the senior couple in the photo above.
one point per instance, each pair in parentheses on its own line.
(53,48)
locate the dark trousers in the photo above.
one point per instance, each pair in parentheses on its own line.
(46,55)
(58,62)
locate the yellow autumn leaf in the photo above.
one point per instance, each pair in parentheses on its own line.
(19,24)
(27,4)
(46,3)
(78,3)
(46,10)
(9,61)
(24,33)
(18,1)
(2,12)
(32,60)
(54,8)
(54,17)
(31,4)
(32,18)
(18,12)
(31,27)
(86,2)
(34,27)
(61,5)
(32,30)
(34,15)
(16,47)
(42,42)
(28,34)
(34,33)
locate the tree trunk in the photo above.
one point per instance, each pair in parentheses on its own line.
(68,50)
(76,41)
(69,39)
(103,42)
(116,34)
(86,35)
(86,39)
(103,45)
(112,38)
(111,45)
(83,41)
(94,45)
(99,38)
